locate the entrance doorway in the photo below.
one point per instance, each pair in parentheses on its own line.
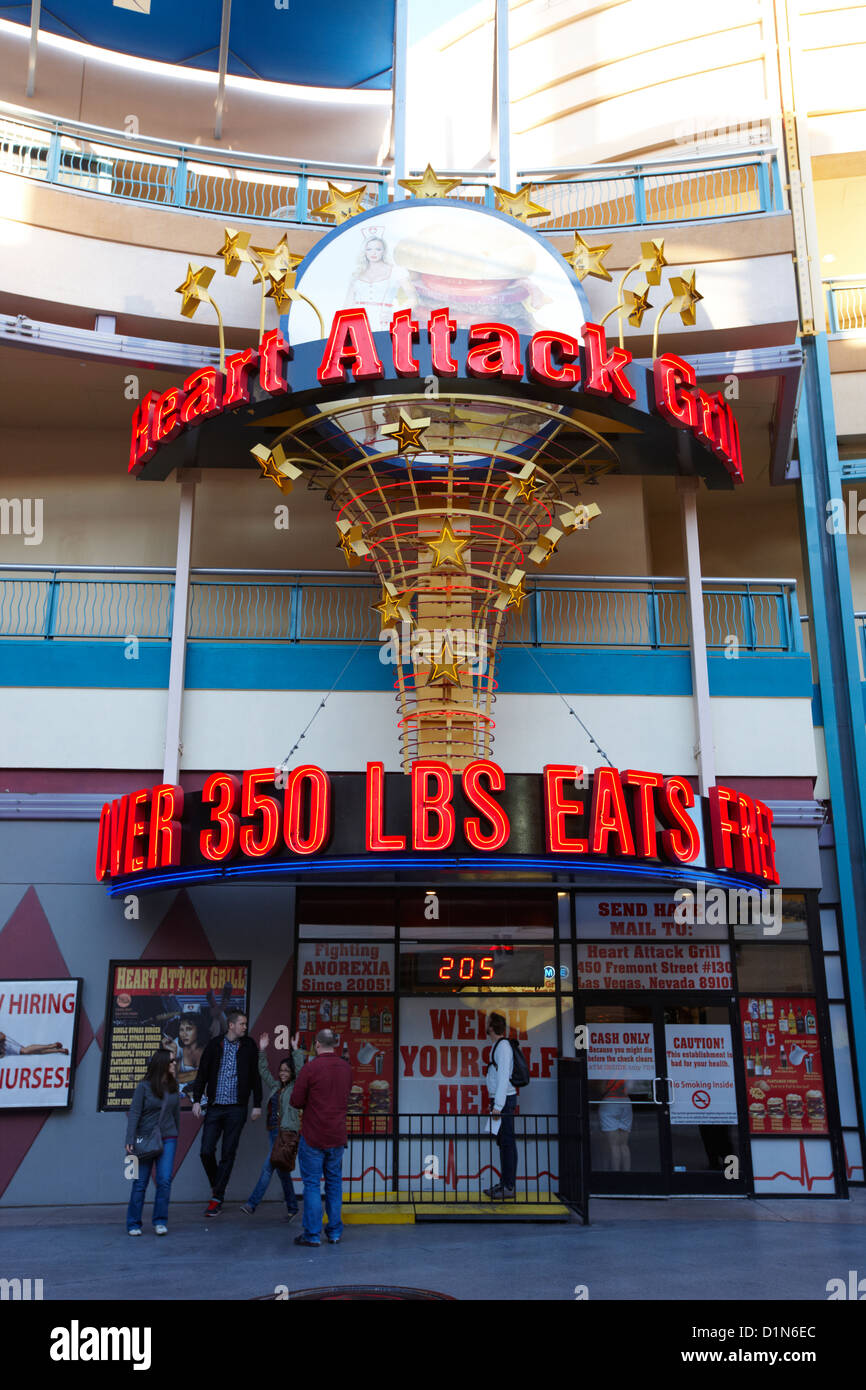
(665,1103)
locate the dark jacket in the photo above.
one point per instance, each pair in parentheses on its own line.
(248,1072)
(144,1113)
(322,1092)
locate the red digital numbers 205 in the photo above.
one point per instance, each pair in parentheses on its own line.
(465,968)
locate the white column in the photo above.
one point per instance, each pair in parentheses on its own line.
(223,67)
(177,666)
(398,99)
(501,68)
(35,13)
(704,749)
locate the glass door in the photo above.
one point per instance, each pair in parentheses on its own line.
(626,1100)
(707,1148)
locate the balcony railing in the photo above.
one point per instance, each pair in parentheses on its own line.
(232,184)
(625,612)
(846,303)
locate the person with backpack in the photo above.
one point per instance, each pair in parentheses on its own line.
(151,1137)
(503,1100)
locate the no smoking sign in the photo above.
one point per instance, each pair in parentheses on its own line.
(700,1099)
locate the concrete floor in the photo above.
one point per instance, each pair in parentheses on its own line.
(678,1249)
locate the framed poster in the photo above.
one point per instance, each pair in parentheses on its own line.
(179,1005)
(38,1034)
(364,1026)
(782,1056)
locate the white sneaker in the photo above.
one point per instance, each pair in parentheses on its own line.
(160,1230)
(134,1231)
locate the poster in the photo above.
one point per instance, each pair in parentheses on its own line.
(38,1020)
(346,966)
(653,965)
(365,1028)
(179,1005)
(784,1077)
(618,916)
(444,1052)
(620,1051)
(700,1068)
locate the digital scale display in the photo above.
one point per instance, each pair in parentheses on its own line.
(479,966)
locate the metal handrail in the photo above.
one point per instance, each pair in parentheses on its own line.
(647,165)
(363,579)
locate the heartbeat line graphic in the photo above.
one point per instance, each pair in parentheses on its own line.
(804,1178)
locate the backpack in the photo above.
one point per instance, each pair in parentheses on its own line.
(519,1065)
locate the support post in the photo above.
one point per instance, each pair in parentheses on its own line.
(503,93)
(398,99)
(705,751)
(180,609)
(223,67)
(35,13)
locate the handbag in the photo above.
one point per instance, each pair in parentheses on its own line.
(285,1151)
(150,1145)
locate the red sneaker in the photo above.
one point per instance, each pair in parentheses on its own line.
(213,1207)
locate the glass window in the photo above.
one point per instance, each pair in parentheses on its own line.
(477,968)
(835,982)
(844,1074)
(771,967)
(769,915)
(829,929)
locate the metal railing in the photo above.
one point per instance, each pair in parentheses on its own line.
(846,303)
(623,612)
(436,1160)
(234,184)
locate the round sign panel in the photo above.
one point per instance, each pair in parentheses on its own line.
(438,253)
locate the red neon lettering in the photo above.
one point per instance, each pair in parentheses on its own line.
(204,391)
(496,352)
(426,803)
(273,349)
(166,809)
(723,825)
(678,407)
(133,861)
(441,330)
(141,445)
(102,842)
(734,458)
(376,839)
(609,815)
(253,845)
(556,810)
(766,843)
(237,390)
(604,368)
(479,798)
(683,843)
(222,791)
(350,345)
(404,335)
(645,833)
(166,420)
(541,366)
(319,797)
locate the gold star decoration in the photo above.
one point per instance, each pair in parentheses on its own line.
(685,298)
(652,260)
(234,250)
(447,549)
(351,543)
(578,517)
(408,433)
(275,260)
(519,205)
(341,206)
(430,185)
(545,546)
(587,260)
(512,593)
(637,303)
(194,288)
(275,465)
(281,290)
(444,668)
(394,605)
(524,484)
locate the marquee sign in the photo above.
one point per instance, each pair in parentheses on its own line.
(240,824)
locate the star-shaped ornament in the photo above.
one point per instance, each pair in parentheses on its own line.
(234,250)
(341,206)
(546,546)
(685,298)
(445,668)
(524,484)
(281,290)
(430,185)
(394,605)
(579,517)
(637,303)
(519,205)
(447,549)
(194,288)
(275,465)
(275,261)
(652,260)
(587,260)
(512,593)
(408,433)
(351,543)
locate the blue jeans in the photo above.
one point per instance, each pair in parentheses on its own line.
(162,1178)
(313,1163)
(267,1173)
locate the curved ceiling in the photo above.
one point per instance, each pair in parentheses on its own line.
(317,43)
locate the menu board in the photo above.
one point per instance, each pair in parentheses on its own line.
(179,1005)
(785,1080)
(700,1067)
(653,965)
(364,1026)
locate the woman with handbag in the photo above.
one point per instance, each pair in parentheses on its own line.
(284,1128)
(151,1137)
